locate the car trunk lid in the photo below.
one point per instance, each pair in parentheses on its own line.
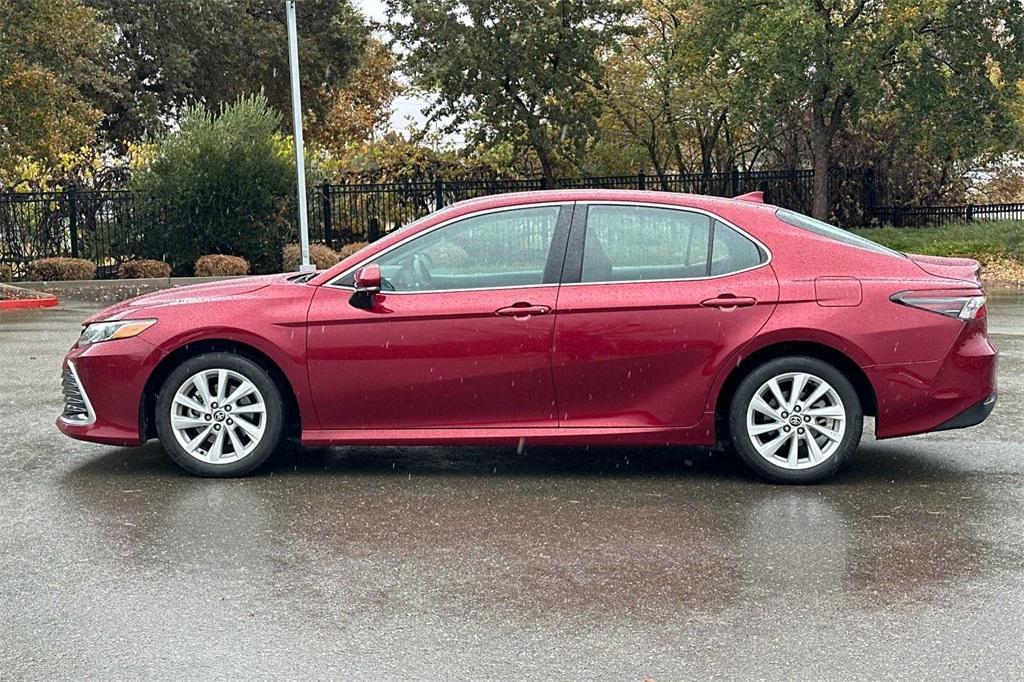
(964,269)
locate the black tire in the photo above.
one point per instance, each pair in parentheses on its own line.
(743,442)
(274,415)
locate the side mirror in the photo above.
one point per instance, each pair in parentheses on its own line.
(367,283)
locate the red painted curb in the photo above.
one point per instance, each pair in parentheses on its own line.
(47,302)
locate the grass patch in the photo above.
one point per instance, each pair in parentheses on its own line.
(997,245)
(981,240)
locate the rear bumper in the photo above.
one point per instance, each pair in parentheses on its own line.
(972,416)
(952,393)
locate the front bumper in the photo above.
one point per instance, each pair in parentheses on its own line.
(103,388)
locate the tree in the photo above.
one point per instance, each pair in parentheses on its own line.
(175,53)
(659,92)
(230,178)
(944,62)
(511,71)
(361,109)
(51,65)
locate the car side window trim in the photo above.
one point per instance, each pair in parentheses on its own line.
(553,264)
(559,244)
(573,270)
(711,248)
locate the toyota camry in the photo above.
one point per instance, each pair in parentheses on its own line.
(561,318)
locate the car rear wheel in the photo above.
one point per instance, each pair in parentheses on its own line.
(795,419)
(219,414)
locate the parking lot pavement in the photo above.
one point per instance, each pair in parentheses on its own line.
(473,563)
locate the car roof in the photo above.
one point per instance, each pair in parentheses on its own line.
(699,201)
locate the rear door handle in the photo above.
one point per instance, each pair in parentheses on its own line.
(729,301)
(522,310)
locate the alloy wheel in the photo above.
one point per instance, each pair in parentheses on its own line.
(796,420)
(218,416)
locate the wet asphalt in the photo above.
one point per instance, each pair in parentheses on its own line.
(481,563)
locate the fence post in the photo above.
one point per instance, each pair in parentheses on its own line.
(735,182)
(970,213)
(872,191)
(72,196)
(325,198)
(438,194)
(641,180)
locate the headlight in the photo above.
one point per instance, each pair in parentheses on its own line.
(108,331)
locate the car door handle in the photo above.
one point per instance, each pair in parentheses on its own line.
(522,310)
(728,302)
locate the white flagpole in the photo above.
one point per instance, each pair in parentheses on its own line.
(300,158)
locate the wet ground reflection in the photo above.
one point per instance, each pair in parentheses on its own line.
(549,530)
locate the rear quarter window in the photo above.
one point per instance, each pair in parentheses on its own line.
(733,252)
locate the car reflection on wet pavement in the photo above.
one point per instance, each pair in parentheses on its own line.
(405,562)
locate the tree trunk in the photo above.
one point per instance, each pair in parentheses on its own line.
(822,164)
(547,163)
(705,162)
(659,167)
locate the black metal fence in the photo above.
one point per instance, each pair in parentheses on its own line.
(922,216)
(358,211)
(96,225)
(110,226)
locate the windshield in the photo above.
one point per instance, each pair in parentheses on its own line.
(831,231)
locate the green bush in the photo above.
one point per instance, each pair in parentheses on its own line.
(320,255)
(61,269)
(219,184)
(6,273)
(221,265)
(143,269)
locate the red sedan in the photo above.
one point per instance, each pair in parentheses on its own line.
(562,317)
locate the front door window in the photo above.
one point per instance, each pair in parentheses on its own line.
(502,249)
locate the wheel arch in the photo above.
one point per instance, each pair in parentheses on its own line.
(147,407)
(815,349)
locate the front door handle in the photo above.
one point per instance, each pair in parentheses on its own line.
(728,302)
(522,310)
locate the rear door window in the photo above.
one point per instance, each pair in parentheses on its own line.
(638,243)
(645,243)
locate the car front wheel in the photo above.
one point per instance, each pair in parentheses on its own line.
(219,414)
(795,419)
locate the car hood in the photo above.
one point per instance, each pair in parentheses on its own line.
(194,293)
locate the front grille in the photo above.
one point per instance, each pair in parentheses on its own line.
(75,407)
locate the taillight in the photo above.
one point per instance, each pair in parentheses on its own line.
(962,306)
